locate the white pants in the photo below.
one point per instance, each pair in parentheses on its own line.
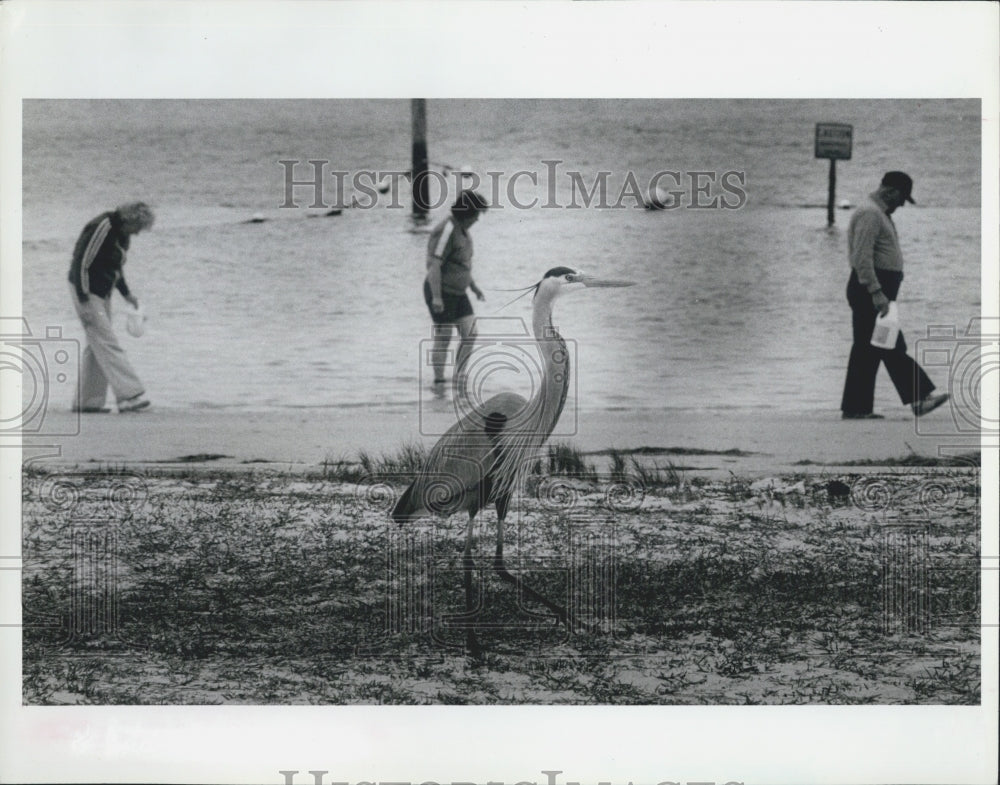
(104,361)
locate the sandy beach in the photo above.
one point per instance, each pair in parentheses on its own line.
(712,558)
(742,442)
(232,583)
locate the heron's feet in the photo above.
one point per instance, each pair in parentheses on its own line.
(560,612)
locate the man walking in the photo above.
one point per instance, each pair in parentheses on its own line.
(876,274)
(96,270)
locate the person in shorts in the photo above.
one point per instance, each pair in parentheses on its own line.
(449,275)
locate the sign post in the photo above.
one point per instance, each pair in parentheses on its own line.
(833,141)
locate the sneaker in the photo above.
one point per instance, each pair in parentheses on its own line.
(861,416)
(91,409)
(928,404)
(134,404)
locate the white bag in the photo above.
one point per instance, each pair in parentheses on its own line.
(886,331)
(135,322)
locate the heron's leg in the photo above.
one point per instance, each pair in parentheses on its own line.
(471,595)
(469,565)
(523,589)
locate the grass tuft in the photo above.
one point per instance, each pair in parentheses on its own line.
(409,460)
(564,459)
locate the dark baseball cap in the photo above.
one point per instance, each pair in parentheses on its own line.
(469,202)
(902,182)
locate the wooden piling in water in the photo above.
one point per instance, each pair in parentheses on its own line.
(421,199)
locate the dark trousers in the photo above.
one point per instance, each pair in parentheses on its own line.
(910,381)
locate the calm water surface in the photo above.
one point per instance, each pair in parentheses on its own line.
(736,308)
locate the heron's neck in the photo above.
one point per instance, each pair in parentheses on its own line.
(541,414)
(541,316)
(555,359)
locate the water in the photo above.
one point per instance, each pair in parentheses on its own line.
(741,308)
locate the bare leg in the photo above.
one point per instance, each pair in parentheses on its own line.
(467,332)
(442,339)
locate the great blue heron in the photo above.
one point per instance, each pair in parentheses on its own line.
(483,457)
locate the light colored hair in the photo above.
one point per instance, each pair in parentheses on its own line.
(136,215)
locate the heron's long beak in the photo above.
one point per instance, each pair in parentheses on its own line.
(591,281)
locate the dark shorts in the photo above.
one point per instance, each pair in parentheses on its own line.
(456,306)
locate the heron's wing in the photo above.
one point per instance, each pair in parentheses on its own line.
(518,445)
(459,469)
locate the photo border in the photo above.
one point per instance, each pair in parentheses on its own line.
(484,50)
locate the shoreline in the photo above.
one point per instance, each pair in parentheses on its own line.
(748,442)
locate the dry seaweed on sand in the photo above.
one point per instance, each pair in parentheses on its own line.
(269,587)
